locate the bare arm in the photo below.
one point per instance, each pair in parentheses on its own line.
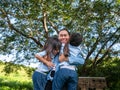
(43,60)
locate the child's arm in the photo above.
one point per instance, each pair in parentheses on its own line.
(43,60)
(47,58)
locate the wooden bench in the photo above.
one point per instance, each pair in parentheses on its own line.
(92,83)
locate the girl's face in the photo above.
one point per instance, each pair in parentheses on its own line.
(64,36)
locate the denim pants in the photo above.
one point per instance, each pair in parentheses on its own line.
(39,80)
(65,76)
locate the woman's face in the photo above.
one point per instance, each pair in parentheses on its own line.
(64,36)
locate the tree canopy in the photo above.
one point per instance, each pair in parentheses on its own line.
(26,24)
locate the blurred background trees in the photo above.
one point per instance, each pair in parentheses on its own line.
(26,24)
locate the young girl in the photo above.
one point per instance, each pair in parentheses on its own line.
(46,57)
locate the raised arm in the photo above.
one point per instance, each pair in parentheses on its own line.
(41,58)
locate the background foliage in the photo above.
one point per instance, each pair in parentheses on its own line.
(17,80)
(21,79)
(26,24)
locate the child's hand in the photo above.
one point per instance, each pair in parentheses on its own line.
(63,58)
(50,64)
(47,58)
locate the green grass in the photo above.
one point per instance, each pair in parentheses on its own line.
(17,80)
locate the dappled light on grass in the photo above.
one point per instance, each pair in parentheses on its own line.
(15,81)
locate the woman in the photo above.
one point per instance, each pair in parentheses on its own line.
(67,75)
(63,37)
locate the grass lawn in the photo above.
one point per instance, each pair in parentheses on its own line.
(18,80)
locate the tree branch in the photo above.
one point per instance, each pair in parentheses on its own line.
(92,50)
(106,41)
(16,30)
(44,21)
(100,60)
(55,27)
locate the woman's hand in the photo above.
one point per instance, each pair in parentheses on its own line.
(63,58)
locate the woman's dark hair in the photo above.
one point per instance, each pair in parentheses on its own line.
(64,29)
(52,43)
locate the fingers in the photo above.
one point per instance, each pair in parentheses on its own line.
(50,65)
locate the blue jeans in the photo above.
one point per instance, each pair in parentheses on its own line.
(39,80)
(65,76)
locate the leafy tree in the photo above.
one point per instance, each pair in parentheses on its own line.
(25,24)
